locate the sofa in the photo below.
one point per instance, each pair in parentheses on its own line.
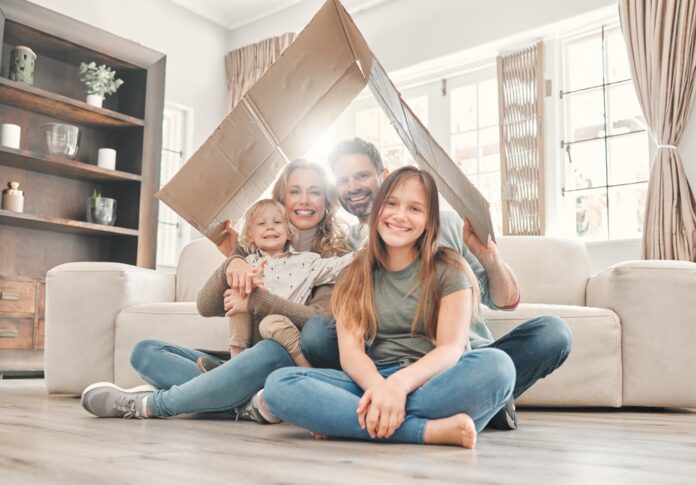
(633,323)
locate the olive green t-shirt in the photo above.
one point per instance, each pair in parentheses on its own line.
(396,300)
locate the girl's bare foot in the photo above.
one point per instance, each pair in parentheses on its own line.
(456,430)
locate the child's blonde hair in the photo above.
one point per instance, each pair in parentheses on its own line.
(246,241)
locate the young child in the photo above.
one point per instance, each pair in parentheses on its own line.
(286,273)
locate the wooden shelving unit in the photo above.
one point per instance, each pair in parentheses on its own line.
(52,229)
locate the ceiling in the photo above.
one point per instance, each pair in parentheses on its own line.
(232,14)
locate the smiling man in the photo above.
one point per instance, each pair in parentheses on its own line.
(537,347)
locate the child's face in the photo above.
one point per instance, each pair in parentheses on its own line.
(403,215)
(269,230)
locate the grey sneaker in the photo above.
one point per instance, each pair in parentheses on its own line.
(506,418)
(251,411)
(107,400)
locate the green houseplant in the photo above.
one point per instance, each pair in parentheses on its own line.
(101,210)
(100,81)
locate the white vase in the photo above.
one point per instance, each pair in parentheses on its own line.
(95,100)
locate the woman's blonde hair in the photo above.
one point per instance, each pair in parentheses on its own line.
(352,301)
(246,240)
(329,239)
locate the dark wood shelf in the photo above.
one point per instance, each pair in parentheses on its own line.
(63,225)
(62,167)
(45,102)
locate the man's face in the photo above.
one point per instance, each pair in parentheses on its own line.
(357,182)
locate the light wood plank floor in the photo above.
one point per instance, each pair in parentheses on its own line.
(52,440)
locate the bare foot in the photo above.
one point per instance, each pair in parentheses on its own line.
(456,430)
(301,361)
(318,436)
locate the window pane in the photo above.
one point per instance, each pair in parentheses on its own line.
(623,109)
(367,124)
(488,103)
(463,108)
(584,115)
(465,152)
(618,67)
(585,168)
(583,63)
(393,157)
(591,214)
(490,151)
(626,211)
(387,133)
(628,158)
(489,185)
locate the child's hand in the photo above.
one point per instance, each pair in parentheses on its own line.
(255,276)
(234,303)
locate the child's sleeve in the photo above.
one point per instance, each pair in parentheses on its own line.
(326,270)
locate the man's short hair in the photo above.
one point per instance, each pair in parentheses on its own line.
(357,146)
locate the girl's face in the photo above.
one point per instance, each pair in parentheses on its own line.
(304,198)
(269,230)
(403,215)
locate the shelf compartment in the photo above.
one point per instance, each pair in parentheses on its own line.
(67,109)
(62,167)
(63,225)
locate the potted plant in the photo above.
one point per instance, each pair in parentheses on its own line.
(101,210)
(100,81)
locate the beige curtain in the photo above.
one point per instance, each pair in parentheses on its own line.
(247,64)
(661,42)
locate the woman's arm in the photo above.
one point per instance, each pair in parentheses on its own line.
(209,300)
(452,334)
(262,302)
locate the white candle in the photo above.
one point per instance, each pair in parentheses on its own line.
(107,158)
(11,135)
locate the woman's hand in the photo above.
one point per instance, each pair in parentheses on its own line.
(235,303)
(242,277)
(382,409)
(230,241)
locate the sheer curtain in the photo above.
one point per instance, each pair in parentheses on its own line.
(661,43)
(247,64)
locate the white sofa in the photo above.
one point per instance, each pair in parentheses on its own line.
(633,324)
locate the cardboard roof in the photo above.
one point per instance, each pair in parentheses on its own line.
(281,116)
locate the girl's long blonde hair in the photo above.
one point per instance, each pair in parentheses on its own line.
(352,301)
(246,240)
(330,239)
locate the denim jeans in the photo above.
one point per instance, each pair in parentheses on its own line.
(184,389)
(537,347)
(325,400)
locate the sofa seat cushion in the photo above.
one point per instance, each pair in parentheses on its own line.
(592,375)
(178,323)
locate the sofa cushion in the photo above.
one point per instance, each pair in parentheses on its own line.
(548,270)
(177,323)
(197,262)
(591,376)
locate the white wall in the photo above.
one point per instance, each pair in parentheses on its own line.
(195,49)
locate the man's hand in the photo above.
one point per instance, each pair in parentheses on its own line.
(230,242)
(242,277)
(487,253)
(382,409)
(235,303)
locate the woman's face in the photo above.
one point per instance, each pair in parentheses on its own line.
(304,198)
(403,216)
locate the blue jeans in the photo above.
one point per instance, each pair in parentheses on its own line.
(325,400)
(184,389)
(537,347)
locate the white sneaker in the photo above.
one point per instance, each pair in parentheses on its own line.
(107,400)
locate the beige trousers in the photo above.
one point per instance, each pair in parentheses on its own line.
(271,327)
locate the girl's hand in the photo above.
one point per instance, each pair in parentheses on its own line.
(382,409)
(234,303)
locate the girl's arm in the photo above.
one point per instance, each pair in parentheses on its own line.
(382,408)
(452,334)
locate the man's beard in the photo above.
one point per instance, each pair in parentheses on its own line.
(360,209)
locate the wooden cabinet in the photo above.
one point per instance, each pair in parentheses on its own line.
(53,228)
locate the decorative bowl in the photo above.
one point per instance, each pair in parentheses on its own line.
(62,140)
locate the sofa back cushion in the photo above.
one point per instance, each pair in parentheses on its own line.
(197,262)
(548,270)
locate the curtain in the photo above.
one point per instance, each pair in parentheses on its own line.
(521,113)
(247,64)
(660,39)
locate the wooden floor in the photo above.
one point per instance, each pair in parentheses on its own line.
(52,440)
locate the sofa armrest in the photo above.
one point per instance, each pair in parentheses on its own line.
(655,302)
(82,302)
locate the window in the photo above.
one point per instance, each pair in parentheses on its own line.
(475,136)
(604,138)
(173,233)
